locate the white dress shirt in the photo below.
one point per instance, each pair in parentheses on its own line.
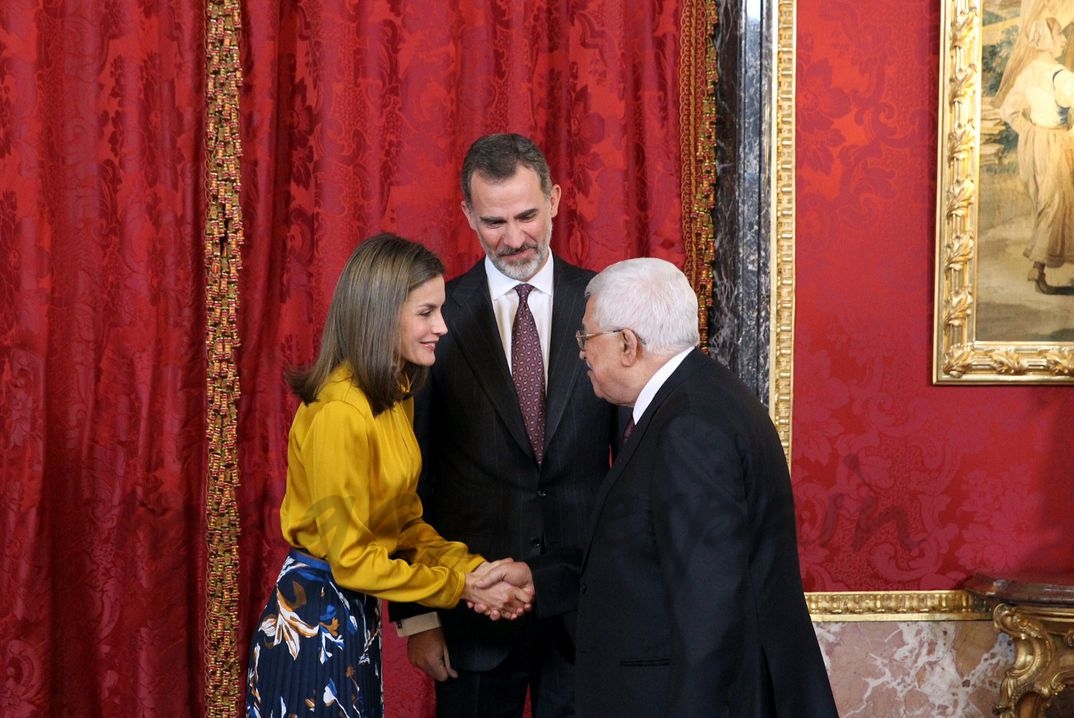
(645,397)
(505,304)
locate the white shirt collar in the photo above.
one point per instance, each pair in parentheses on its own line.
(645,397)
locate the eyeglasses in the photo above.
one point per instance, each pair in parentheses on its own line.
(582,337)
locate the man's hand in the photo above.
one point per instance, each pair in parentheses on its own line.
(516,573)
(428,651)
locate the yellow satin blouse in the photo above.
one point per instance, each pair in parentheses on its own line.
(351,499)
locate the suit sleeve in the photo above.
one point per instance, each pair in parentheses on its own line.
(556,580)
(702,533)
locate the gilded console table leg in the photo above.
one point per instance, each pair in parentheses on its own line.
(1043,661)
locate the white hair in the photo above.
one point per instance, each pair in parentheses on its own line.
(651,297)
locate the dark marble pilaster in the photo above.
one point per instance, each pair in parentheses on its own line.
(739,328)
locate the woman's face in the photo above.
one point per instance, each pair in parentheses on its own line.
(421,323)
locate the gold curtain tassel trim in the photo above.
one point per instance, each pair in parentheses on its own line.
(697,117)
(223,245)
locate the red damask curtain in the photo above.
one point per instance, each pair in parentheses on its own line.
(353,118)
(102,358)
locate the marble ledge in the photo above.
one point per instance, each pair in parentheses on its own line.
(923,669)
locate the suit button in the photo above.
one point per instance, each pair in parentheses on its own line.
(542,493)
(535,542)
(582,588)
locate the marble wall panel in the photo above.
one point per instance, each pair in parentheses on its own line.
(921,669)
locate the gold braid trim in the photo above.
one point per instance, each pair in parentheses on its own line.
(223,243)
(697,117)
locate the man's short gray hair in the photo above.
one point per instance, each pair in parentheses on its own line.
(651,297)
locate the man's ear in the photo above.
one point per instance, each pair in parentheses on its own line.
(629,347)
(553,200)
(467,212)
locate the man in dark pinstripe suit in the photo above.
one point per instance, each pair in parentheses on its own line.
(484,482)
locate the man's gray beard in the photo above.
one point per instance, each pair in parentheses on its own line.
(521,272)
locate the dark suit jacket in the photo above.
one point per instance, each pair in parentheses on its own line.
(481,483)
(691,597)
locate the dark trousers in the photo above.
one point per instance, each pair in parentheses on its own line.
(542,662)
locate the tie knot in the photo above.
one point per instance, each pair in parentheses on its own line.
(523,292)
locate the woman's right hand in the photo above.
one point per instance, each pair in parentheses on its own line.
(501,589)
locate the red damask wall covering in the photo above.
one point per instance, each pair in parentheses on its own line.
(901,485)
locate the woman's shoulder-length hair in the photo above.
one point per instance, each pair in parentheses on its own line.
(362,326)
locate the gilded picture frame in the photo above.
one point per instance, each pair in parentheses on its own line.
(1004,277)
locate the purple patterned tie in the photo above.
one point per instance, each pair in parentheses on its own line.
(527,369)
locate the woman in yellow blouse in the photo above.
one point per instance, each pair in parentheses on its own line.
(350,511)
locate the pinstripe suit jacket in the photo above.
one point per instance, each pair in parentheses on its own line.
(481,483)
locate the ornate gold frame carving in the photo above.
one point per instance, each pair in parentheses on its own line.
(1043,667)
(897,606)
(781,352)
(960,357)
(823,606)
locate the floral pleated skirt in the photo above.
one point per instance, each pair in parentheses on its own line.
(316,649)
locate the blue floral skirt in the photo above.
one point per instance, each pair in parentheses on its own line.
(316,649)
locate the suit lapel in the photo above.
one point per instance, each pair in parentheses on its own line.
(626,453)
(564,367)
(478,340)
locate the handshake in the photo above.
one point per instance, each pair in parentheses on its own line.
(501,589)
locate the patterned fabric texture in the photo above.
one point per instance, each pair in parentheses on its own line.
(317,648)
